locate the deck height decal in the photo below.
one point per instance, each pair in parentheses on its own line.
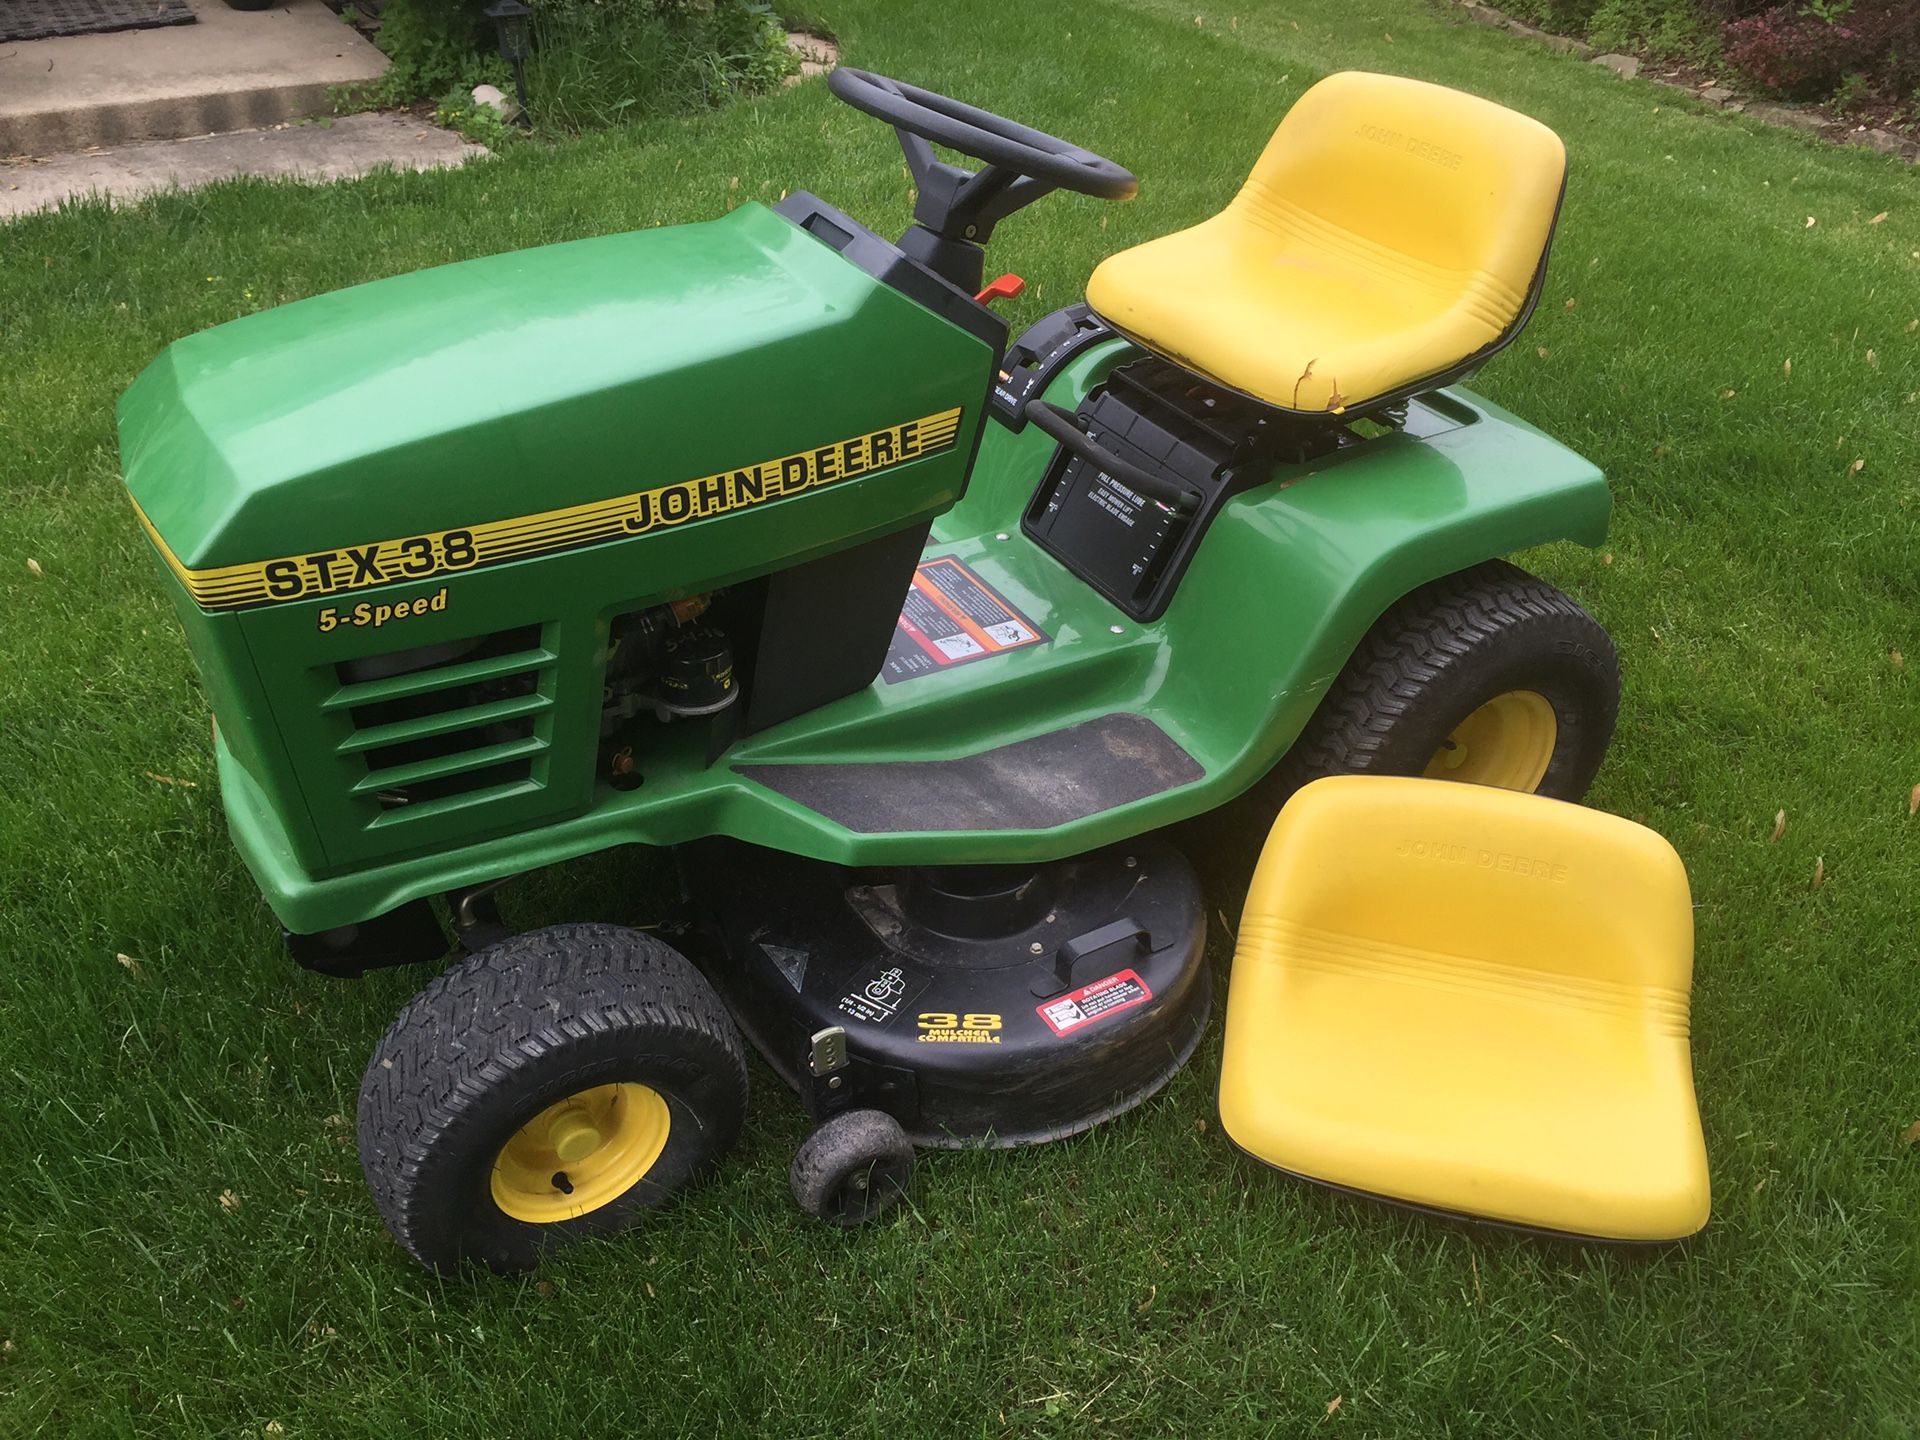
(880,992)
(952,616)
(448,552)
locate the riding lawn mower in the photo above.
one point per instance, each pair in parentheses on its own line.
(904,636)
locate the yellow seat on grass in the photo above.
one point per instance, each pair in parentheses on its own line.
(1392,234)
(1471,1000)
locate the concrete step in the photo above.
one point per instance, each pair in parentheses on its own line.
(349,146)
(229,70)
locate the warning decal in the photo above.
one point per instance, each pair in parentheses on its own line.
(952,616)
(1078,1008)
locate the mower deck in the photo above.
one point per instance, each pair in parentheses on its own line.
(997,1005)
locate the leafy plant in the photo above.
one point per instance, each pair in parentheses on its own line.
(1850,92)
(1665,27)
(481,124)
(436,46)
(1661,27)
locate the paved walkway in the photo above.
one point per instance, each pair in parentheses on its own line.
(349,146)
(136,111)
(229,70)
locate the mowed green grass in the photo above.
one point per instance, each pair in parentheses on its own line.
(1762,587)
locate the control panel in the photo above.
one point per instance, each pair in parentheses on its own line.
(1036,357)
(1133,547)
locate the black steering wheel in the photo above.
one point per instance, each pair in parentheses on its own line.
(1005,145)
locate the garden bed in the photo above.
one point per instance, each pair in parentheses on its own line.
(1856,61)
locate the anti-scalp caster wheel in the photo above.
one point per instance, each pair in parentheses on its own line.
(852,1167)
(556,1085)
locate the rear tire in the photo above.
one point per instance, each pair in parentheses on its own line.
(594,1050)
(1485,642)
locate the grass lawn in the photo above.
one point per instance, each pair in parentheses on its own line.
(159,1051)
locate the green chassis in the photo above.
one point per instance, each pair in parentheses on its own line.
(236,450)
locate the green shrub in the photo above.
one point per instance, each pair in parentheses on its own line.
(436,46)
(595,62)
(1854,88)
(598,62)
(1568,17)
(1660,27)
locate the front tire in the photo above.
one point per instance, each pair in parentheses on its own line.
(556,1085)
(1489,675)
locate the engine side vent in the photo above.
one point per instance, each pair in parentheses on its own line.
(450,723)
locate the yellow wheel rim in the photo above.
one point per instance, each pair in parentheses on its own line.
(581,1153)
(1508,742)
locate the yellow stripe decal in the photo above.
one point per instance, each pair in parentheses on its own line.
(447,552)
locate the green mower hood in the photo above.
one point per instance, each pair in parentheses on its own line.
(522,383)
(499,457)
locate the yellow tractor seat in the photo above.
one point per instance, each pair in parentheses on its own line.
(1393,235)
(1470,1000)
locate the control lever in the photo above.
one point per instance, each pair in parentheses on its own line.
(1064,427)
(1005,288)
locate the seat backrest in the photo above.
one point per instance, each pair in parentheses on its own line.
(1540,889)
(1446,179)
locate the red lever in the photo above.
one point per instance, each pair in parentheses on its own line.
(1005,288)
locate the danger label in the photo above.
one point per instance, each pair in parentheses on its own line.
(1092,1003)
(952,616)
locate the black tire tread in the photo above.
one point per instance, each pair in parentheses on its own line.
(470,1028)
(836,1149)
(1409,649)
